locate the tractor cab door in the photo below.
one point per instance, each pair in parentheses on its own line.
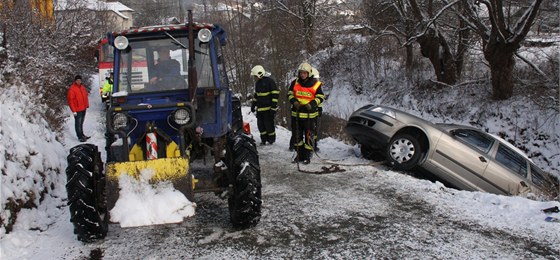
(213,99)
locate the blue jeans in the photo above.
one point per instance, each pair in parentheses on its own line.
(79,123)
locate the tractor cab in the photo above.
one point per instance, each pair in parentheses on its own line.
(170,109)
(155,67)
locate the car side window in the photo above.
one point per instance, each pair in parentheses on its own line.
(474,138)
(537,176)
(512,160)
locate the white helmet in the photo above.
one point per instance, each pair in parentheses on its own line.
(315,73)
(306,67)
(258,71)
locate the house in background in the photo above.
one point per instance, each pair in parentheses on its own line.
(117,15)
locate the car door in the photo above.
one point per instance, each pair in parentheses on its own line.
(461,158)
(508,171)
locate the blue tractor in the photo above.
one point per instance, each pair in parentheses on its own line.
(171,111)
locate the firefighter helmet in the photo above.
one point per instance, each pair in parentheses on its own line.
(315,73)
(306,67)
(258,71)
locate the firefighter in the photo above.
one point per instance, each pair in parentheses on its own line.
(305,95)
(320,110)
(265,103)
(107,88)
(315,74)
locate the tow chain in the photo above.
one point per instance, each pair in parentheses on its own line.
(334,167)
(324,170)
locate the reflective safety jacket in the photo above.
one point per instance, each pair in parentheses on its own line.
(266,95)
(107,87)
(305,92)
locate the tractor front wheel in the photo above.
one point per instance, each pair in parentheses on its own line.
(243,162)
(86,193)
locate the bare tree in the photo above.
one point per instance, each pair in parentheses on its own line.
(302,19)
(441,36)
(502,26)
(46,55)
(43,57)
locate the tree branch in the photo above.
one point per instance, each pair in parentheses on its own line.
(540,72)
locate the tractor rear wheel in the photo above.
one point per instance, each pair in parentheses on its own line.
(86,193)
(243,162)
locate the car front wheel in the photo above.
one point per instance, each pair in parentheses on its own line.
(403,152)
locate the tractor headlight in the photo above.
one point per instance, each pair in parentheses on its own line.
(181,116)
(204,35)
(121,42)
(120,121)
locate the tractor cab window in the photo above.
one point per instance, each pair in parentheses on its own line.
(153,66)
(204,66)
(133,71)
(165,68)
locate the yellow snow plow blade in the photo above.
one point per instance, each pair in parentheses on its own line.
(175,170)
(165,169)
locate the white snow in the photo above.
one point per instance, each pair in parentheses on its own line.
(141,203)
(48,226)
(45,232)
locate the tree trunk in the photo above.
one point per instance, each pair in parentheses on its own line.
(309,25)
(502,64)
(434,47)
(462,48)
(409,58)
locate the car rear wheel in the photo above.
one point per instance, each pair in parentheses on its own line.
(403,152)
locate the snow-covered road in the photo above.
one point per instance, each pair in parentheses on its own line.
(365,212)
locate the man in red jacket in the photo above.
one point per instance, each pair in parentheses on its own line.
(78,101)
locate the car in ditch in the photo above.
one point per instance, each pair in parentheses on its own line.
(461,156)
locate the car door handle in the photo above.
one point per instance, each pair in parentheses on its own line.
(482,159)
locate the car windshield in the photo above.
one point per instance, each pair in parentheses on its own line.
(161,65)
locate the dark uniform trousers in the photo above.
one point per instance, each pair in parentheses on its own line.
(265,123)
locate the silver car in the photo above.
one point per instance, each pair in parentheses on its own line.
(462,156)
